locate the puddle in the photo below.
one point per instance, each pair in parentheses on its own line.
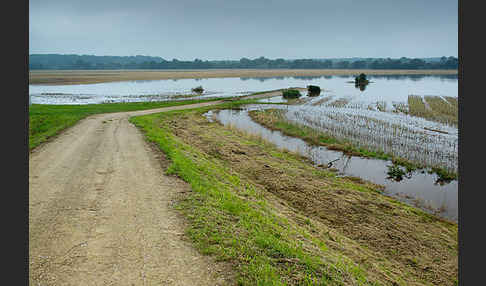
(420,189)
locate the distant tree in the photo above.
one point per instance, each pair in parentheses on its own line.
(358,65)
(451,63)
(417,63)
(342,64)
(56,61)
(327,64)
(278,63)
(245,62)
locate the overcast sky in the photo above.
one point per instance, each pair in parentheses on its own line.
(219,29)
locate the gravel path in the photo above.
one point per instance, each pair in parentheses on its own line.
(100,211)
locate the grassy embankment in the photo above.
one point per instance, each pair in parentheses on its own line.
(273,119)
(281,221)
(46,121)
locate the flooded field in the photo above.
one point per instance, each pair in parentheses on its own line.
(410,116)
(383,88)
(419,188)
(419,140)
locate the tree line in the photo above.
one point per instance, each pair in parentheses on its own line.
(56,61)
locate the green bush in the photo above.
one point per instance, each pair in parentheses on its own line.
(198,89)
(361,79)
(291,94)
(313,90)
(395,173)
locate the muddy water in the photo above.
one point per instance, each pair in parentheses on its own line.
(420,189)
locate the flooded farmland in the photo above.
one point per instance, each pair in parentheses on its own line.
(420,188)
(409,116)
(388,88)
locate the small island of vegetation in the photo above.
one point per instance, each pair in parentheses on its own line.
(313,90)
(361,82)
(291,94)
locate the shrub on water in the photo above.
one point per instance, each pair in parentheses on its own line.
(313,90)
(198,89)
(361,79)
(395,173)
(291,93)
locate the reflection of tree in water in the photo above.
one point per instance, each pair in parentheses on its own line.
(414,77)
(307,77)
(441,181)
(361,82)
(361,87)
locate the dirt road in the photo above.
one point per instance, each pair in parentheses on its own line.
(100,211)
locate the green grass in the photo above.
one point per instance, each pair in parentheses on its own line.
(46,121)
(291,93)
(231,219)
(230,215)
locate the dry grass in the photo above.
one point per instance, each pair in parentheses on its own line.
(434,108)
(96,76)
(444,111)
(452,100)
(417,107)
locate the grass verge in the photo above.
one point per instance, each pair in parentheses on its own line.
(231,219)
(47,120)
(250,206)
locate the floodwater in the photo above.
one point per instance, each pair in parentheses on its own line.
(340,108)
(420,189)
(383,88)
(414,138)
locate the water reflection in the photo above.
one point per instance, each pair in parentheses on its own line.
(388,88)
(360,86)
(417,187)
(412,77)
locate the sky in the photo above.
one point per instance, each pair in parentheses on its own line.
(230,30)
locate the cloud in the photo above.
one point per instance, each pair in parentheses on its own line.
(216,29)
